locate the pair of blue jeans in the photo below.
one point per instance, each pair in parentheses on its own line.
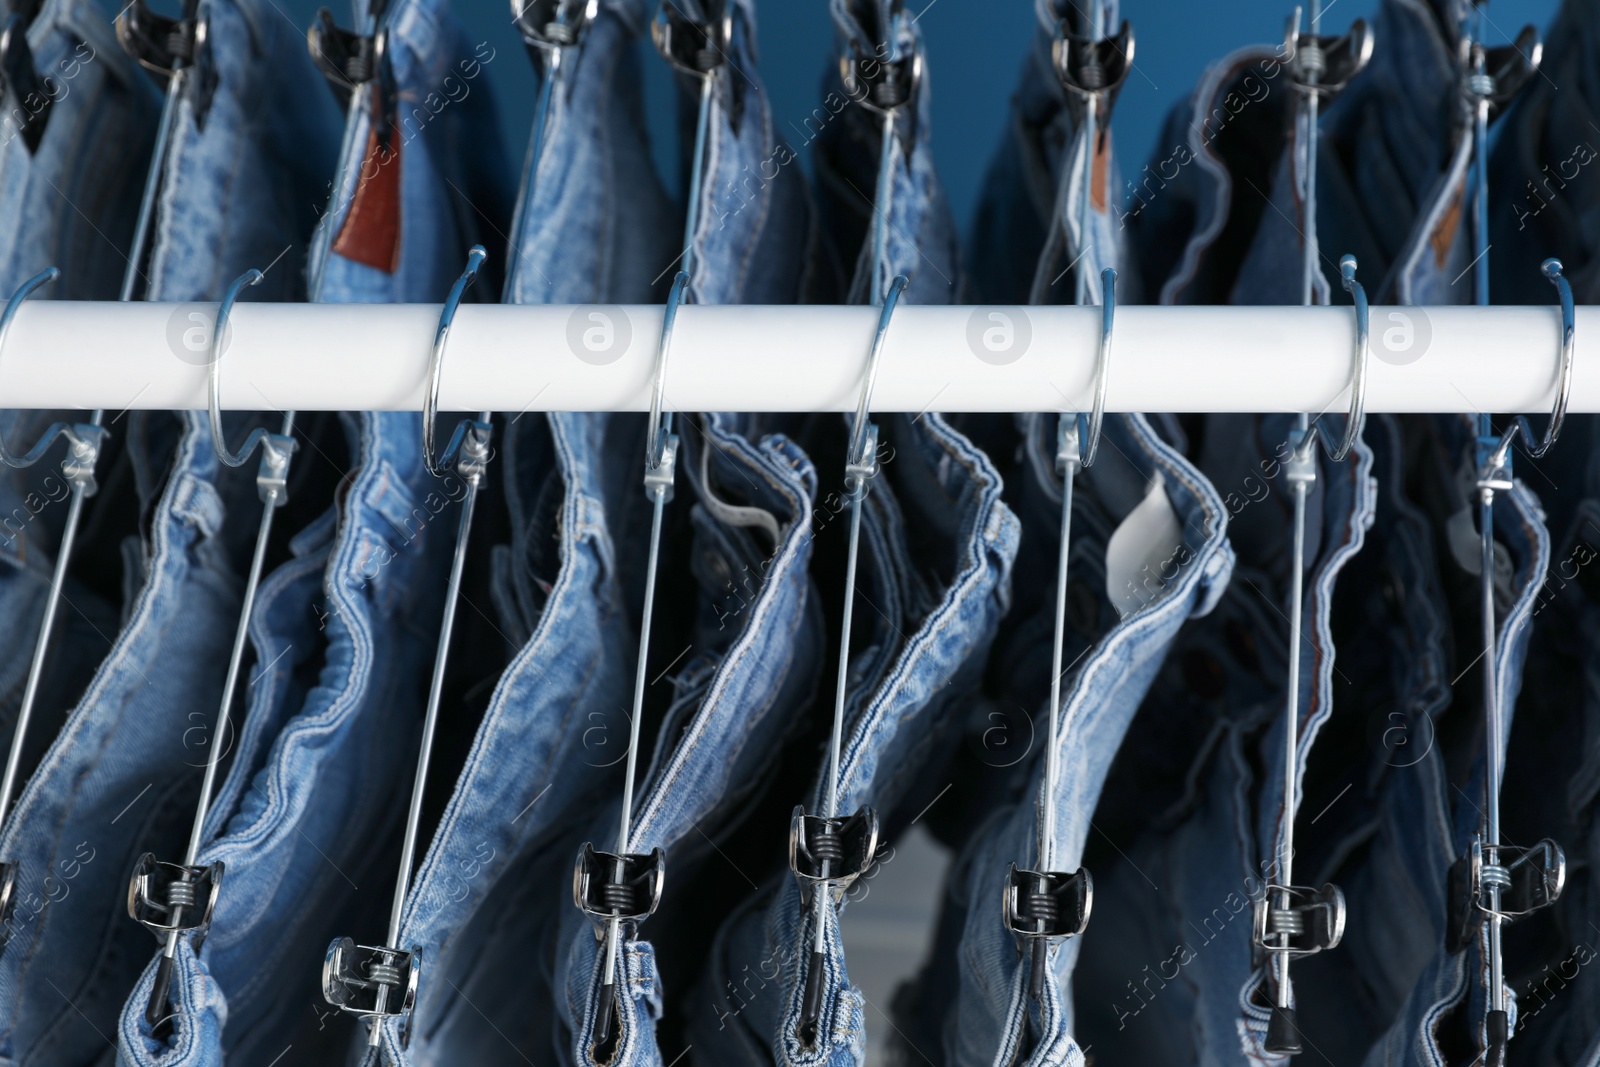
(1141,492)
(62,211)
(927,620)
(1172,966)
(757,649)
(937,547)
(749,671)
(343,629)
(485,900)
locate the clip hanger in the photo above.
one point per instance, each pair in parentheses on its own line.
(176,49)
(1491,78)
(349,59)
(1495,883)
(1290,921)
(827,853)
(83,449)
(617,888)
(173,898)
(378,982)
(1046,905)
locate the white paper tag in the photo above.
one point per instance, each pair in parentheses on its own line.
(1145,552)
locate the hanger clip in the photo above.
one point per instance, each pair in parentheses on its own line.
(694,46)
(163,897)
(1048,904)
(878,80)
(603,894)
(1313,921)
(1528,879)
(1498,74)
(20,79)
(846,846)
(1325,64)
(549,24)
(84,441)
(373,981)
(1091,68)
(349,60)
(164,46)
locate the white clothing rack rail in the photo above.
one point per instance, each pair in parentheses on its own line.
(118,356)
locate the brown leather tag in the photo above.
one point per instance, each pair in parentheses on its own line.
(371,230)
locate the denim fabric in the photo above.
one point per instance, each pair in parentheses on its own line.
(924,622)
(1170,968)
(1195,206)
(497,872)
(455,180)
(243,186)
(296,817)
(72,204)
(600,226)
(734,698)
(1375,783)
(757,634)
(757,236)
(991,1013)
(936,548)
(1553,770)
(1542,199)
(919,230)
(1441,1019)
(121,776)
(68,205)
(1023,192)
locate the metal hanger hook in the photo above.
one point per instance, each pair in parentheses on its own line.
(859,458)
(77,435)
(1553,270)
(440,466)
(1358,372)
(214,404)
(1097,414)
(661,421)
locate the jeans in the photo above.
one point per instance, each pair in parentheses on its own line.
(921,652)
(242,181)
(1171,968)
(757,234)
(72,203)
(298,814)
(487,893)
(1144,489)
(758,654)
(919,232)
(1441,1018)
(601,227)
(1542,201)
(449,199)
(120,778)
(1033,192)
